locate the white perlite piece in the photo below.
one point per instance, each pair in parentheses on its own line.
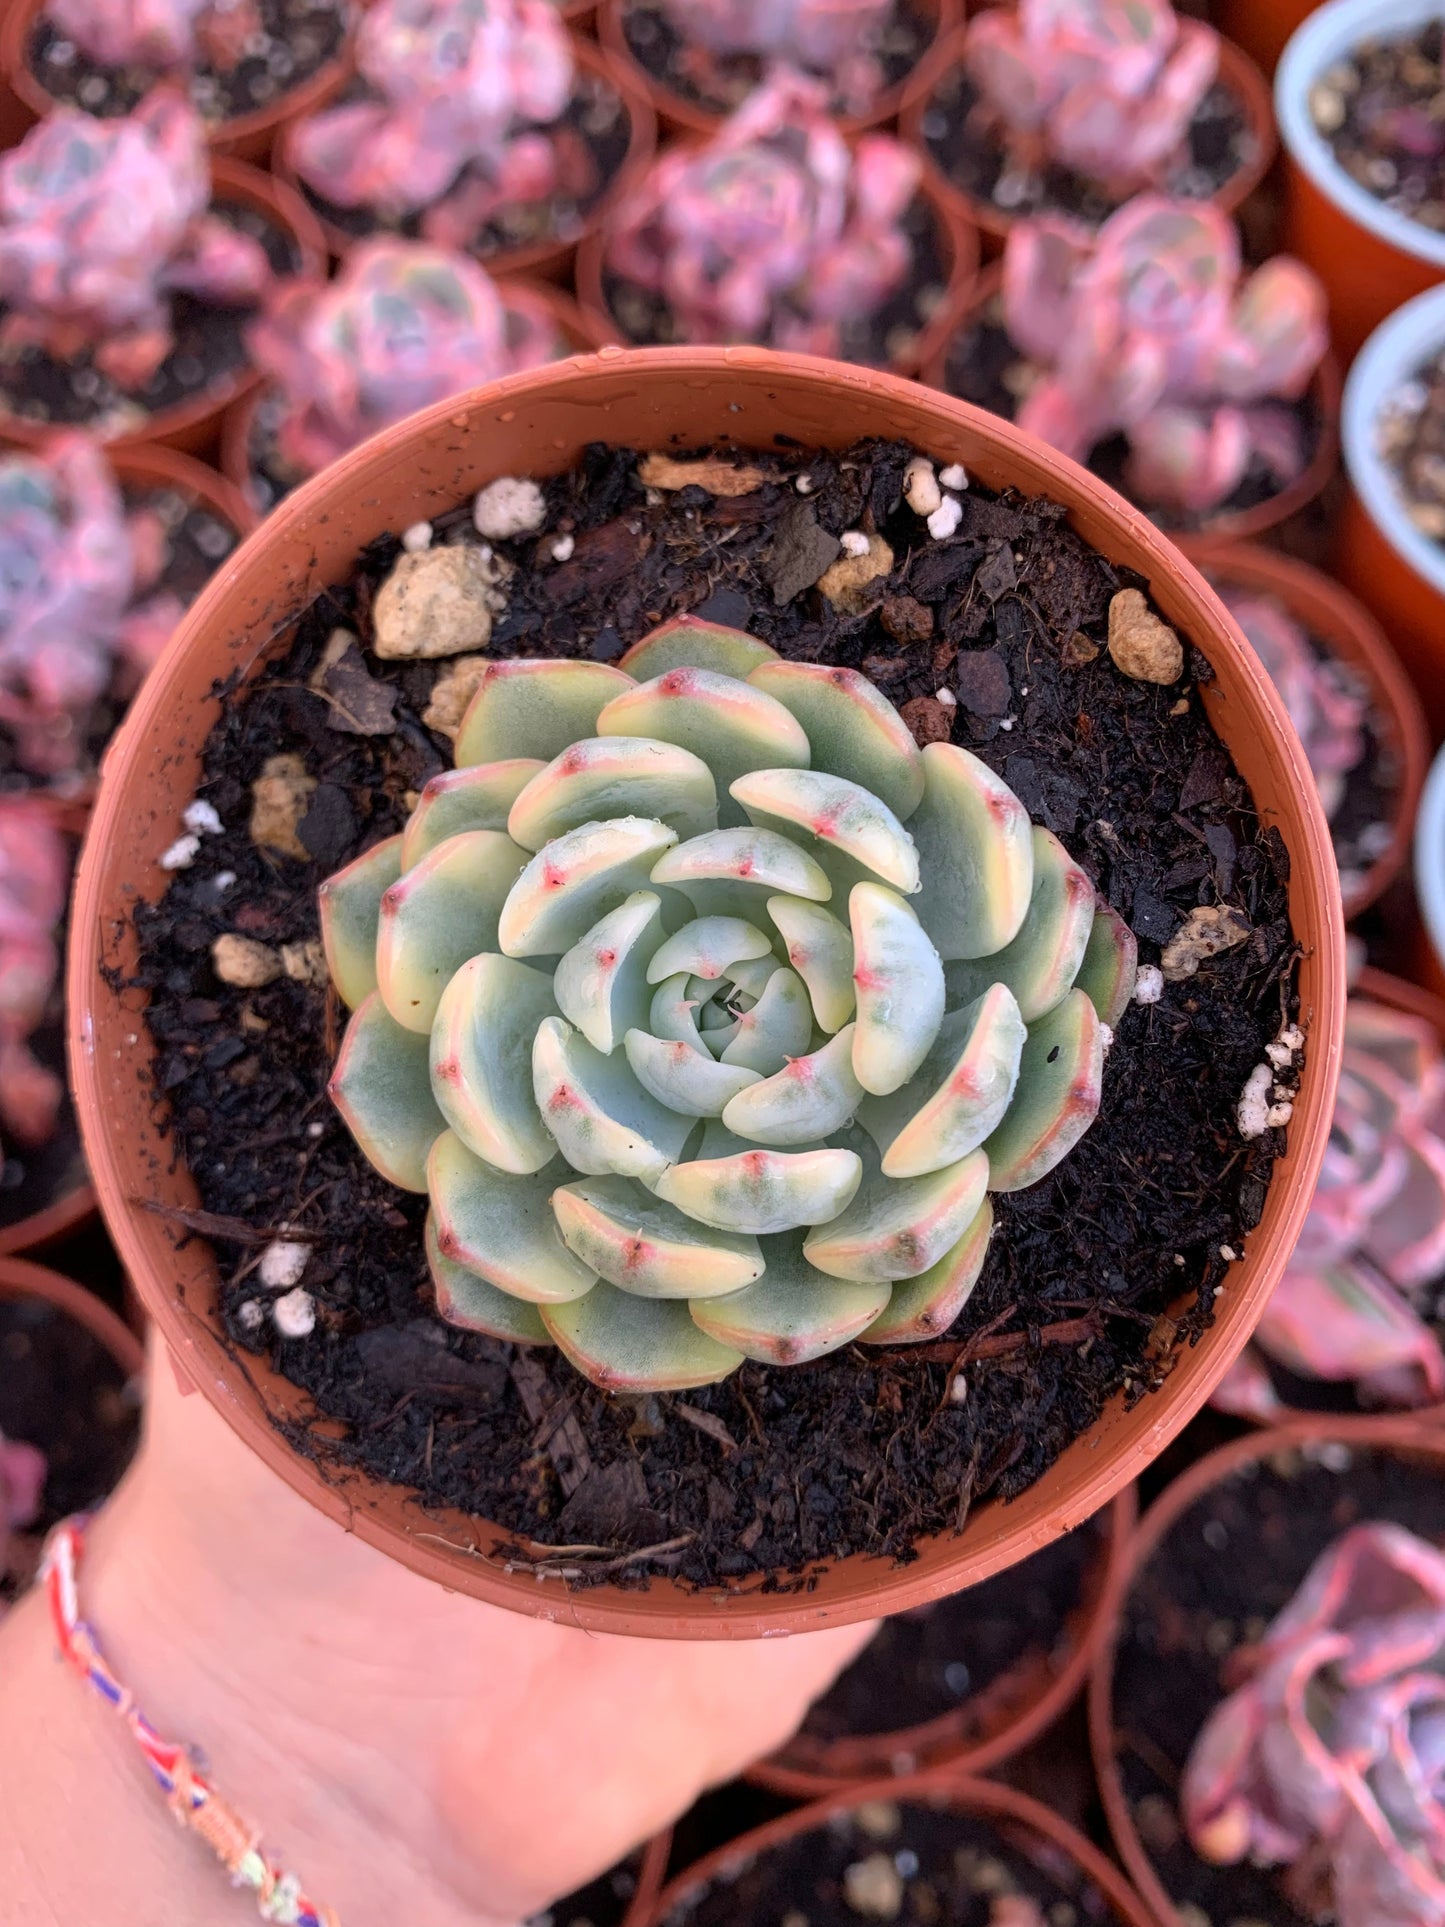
(295,1314)
(1149,984)
(1252,1112)
(249,1316)
(1228,1254)
(201,817)
(181,854)
(222,881)
(282,1263)
(854,542)
(954,476)
(416,538)
(804,484)
(562,548)
(920,486)
(509,506)
(1106,1037)
(945,518)
(946,697)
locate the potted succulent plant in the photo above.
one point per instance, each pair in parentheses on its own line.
(1070,111)
(135,336)
(776,229)
(325,759)
(403,324)
(700,62)
(482,127)
(1263,1713)
(1206,394)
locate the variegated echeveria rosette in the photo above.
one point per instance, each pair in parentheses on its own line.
(708,1010)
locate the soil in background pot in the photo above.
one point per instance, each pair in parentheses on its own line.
(1377,109)
(861,1450)
(1411,436)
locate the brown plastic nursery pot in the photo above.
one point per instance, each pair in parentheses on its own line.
(1410,609)
(982,1731)
(1236,70)
(21,1280)
(539,423)
(1034,1829)
(1405,1436)
(1364,277)
(247,137)
(1349,632)
(193,425)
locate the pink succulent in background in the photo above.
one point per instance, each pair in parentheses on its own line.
(34,879)
(1106,88)
(1330,1759)
(456,86)
(403,325)
(1146,329)
(1327,706)
(158,35)
(22,1481)
(836,38)
(774,231)
(101,220)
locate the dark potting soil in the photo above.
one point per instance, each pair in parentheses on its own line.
(944,1658)
(911,1864)
(210,346)
(603,1902)
(591,136)
(983,366)
(860,1450)
(1410,431)
(1227,1567)
(719,83)
(967,144)
(1377,109)
(295,39)
(32,1179)
(876,340)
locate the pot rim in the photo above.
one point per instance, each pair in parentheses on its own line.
(1391,1434)
(1328,32)
(417,468)
(19,1278)
(1391,356)
(1430,856)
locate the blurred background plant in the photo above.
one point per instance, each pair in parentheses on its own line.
(836,39)
(161,35)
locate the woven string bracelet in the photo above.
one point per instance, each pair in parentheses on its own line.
(191,1798)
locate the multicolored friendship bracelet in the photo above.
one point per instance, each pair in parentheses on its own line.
(191,1798)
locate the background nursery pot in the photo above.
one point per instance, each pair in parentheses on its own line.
(1430,869)
(21,1280)
(1261,27)
(986,1727)
(1369,256)
(537,423)
(1405,1436)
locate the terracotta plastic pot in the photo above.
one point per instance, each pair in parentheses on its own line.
(1236,70)
(21,1280)
(539,423)
(247,137)
(552,260)
(193,425)
(958,245)
(1260,27)
(984,1730)
(1229,525)
(1031,1828)
(1351,634)
(1405,1436)
(679,115)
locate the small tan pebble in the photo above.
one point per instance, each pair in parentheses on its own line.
(244,963)
(1327,108)
(304,963)
(846,582)
(1063,1913)
(716,476)
(879,1819)
(1016,1910)
(1157,1821)
(920,486)
(1141,645)
(1204,933)
(452,693)
(1429,518)
(991,1876)
(253,1022)
(1219,1638)
(1192,1916)
(337,644)
(280,797)
(507,507)
(929,720)
(1181,708)
(874,1887)
(1079,650)
(438,603)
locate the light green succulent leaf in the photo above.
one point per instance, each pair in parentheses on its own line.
(602,1118)
(753,976)
(1111,965)
(534,707)
(502,1227)
(820,949)
(706,947)
(350,911)
(897,1228)
(793,1313)
(689,642)
(1041,963)
(684,1079)
(924,1307)
(382,1087)
(629,1344)
(642,1245)
(465,799)
(469,1302)
(763,1191)
(611,776)
(733,872)
(853,835)
(852,728)
(1061,1081)
(674,1013)
(438,914)
(779,1026)
(481,1061)
(601,982)
(733,727)
(575,880)
(959,1093)
(898,980)
(976,848)
(809,1098)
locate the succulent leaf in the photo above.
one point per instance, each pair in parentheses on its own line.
(501,1226)
(602,1118)
(976,853)
(732,872)
(808,1099)
(1110,966)
(898,980)
(752,976)
(642,1245)
(852,727)
(733,727)
(853,835)
(1043,960)
(481,1061)
(707,947)
(763,1191)
(899,1228)
(465,799)
(793,1313)
(684,1079)
(571,883)
(673,1015)
(438,914)
(382,1087)
(924,1307)
(601,982)
(629,1344)
(779,1026)
(535,707)
(465,1300)
(614,776)
(1061,1077)
(970,1075)
(820,949)
(350,911)
(687,642)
